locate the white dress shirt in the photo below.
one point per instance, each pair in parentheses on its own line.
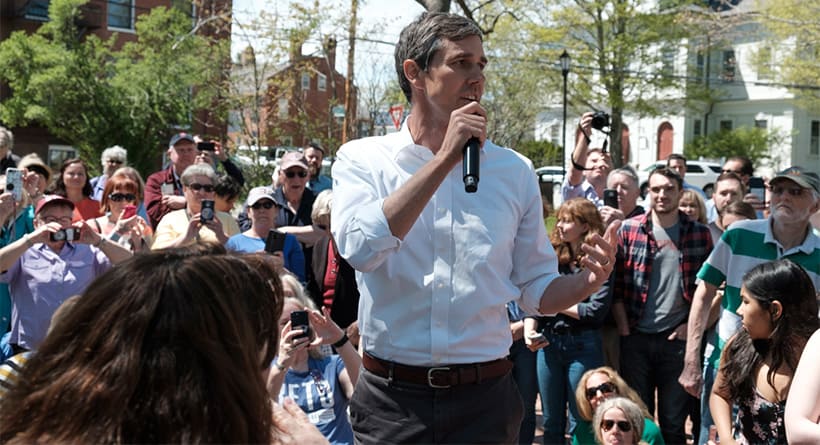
(439,297)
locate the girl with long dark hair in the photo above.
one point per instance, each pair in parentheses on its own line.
(779,312)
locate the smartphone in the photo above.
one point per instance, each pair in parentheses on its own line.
(14,183)
(611,198)
(129,211)
(275,242)
(207,212)
(299,320)
(758,188)
(205,146)
(537,337)
(67,234)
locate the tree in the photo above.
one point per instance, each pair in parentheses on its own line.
(794,30)
(754,143)
(91,96)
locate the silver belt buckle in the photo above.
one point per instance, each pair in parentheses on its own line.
(430,377)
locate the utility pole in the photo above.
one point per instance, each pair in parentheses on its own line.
(350,119)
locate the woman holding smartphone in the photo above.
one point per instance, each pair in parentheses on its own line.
(571,340)
(120,222)
(320,384)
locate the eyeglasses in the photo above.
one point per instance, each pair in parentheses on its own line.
(65,221)
(291,174)
(263,205)
(794,191)
(623,425)
(607,387)
(117,197)
(208,188)
(113,161)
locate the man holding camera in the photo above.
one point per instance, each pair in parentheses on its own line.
(589,167)
(43,268)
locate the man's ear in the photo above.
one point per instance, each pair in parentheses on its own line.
(412,71)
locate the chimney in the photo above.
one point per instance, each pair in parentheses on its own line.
(296,42)
(330,50)
(247,57)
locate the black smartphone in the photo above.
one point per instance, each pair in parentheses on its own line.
(758,188)
(299,320)
(275,242)
(205,146)
(207,212)
(611,198)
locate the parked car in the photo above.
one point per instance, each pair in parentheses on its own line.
(549,173)
(698,173)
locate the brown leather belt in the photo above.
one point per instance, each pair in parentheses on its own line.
(437,376)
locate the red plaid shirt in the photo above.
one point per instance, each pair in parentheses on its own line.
(637,248)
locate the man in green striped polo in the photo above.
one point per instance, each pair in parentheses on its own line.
(787,233)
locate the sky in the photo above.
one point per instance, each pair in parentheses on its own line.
(380,20)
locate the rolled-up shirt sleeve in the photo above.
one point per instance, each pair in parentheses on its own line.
(358,222)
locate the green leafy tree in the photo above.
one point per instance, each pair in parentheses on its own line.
(91,96)
(754,143)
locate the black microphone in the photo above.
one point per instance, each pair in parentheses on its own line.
(470,165)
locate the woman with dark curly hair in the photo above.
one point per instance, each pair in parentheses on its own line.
(73,183)
(169,347)
(779,312)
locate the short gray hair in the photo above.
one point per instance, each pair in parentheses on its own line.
(6,138)
(420,40)
(197,170)
(627,171)
(631,411)
(115,152)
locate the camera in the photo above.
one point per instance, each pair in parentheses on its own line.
(207,212)
(206,146)
(68,234)
(600,119)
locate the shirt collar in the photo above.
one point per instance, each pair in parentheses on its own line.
(807,246)
(405,145)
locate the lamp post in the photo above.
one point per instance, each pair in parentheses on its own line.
(564,72)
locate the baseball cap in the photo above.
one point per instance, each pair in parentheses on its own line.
(258,193)
(800,176)
(181,137)
(52,199)
(293,159)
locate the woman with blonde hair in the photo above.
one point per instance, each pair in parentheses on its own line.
(320,384)
(619,421)
(692,204)
(598,385)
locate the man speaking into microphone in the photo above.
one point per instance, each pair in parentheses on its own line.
(436,265)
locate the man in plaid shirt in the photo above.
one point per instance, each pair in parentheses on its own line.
(658,257)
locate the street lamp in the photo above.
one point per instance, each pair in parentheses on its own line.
(564,72)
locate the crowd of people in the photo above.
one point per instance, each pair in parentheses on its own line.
(388,305)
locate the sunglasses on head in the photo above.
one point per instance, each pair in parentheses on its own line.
(117,197)
(623,425)
(197,187)
(291,173)
(605,388)
(263,205)
(731,171)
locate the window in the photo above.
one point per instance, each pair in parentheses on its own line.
(692,168)
(555,135)
(668,59)
(59,153)
(814,143)
(36,10)
(697,129)
(726,125)
(322,82)
(283,108)
(121,14)
(761,123)
(729,65)
(701,67)
(305,81)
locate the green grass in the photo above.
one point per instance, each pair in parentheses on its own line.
(549,222)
